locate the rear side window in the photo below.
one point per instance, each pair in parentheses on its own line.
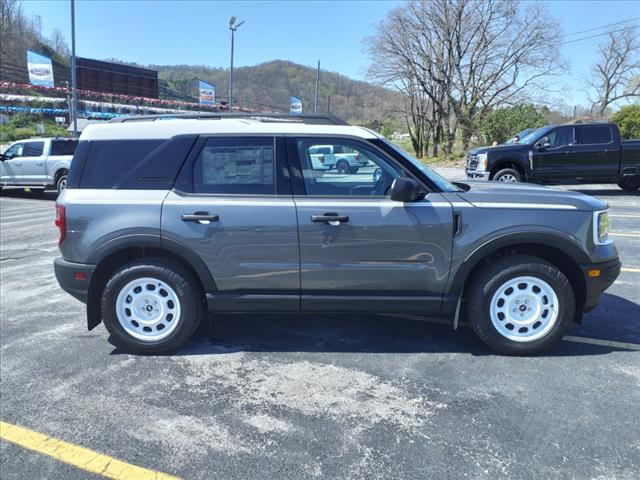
(63,147)
(236,166)
(33,149)
(594,134)
(134,164)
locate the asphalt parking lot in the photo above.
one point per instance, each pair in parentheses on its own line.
(324,396)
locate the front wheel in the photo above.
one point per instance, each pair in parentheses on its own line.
(508,175)
(151,306)
(629,184)
(342,167)
(520,305)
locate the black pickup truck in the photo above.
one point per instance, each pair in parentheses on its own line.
(562,154)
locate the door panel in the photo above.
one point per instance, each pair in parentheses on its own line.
(33,163)
(11,167)
(599,157)
(558,161)
(385,248)
(252,246)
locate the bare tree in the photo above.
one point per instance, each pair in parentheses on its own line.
(615,74)
(469,56)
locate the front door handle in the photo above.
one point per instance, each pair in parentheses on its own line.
(330,218)
(203,218)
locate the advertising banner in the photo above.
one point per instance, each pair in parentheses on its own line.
(40,69)
(296,106)
(207,93)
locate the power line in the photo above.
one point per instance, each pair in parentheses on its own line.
(599,35)
(602,26)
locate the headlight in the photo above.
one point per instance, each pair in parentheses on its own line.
(482,161)
(601,227)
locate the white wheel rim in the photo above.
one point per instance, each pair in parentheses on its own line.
(524,309)
(63,184)
(508,177)
(148,309)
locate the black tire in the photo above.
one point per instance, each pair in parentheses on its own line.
(482,287)
(342,167)
(189,293)
(354,169)
(629,184)
(61,182)
(507,175)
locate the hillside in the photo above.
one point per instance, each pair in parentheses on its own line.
(271,84)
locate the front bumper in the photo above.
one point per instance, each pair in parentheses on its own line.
(74,278)
(609,271)
(477,175)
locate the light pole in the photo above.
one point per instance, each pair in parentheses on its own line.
(233,27)
(74,90)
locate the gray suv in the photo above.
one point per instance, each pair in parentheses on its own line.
(166,220)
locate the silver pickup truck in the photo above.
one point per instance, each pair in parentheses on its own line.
(37,162)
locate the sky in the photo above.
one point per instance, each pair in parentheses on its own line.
(196,32)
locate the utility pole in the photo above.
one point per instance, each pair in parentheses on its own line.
(74,89)
(315,102)
(329,105)
(233,27)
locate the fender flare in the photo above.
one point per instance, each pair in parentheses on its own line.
(554,239)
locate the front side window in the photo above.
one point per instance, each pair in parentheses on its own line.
(236,166)
(14,151)
(345,168)
(594,134)
(560,137)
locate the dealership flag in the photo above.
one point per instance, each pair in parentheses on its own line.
(40,69)
(296,106)
(207,93)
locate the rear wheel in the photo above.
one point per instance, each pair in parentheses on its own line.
(342,167)
(520,305)
(61,183)
(151,306)
(629,184)
(508,175)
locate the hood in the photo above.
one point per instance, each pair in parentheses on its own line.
(523,195)
(501,148)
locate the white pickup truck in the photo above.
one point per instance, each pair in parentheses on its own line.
(37,162)
(343,159)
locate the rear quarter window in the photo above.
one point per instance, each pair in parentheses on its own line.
(134,164)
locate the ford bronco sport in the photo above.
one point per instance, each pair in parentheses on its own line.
(166,219)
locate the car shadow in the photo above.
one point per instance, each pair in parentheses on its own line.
(374,333)
(615,318)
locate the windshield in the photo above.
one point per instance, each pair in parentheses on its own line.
(519,136)
(442,183)
(534,135)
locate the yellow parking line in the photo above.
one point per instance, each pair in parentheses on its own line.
(633,270)
(623,215)
(624,234)
(79,457)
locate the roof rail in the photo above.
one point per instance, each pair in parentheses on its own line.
(261,117)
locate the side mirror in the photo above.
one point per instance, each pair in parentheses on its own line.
(405,190)
(543,143)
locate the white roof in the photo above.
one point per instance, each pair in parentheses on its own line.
(143,129)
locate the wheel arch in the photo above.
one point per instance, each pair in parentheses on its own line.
(512,163)
(112,259)
(556,250)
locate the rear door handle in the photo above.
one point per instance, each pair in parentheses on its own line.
(204,218)
(330,218)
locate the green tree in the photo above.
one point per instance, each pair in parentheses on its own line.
(628,120)
(504,123)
